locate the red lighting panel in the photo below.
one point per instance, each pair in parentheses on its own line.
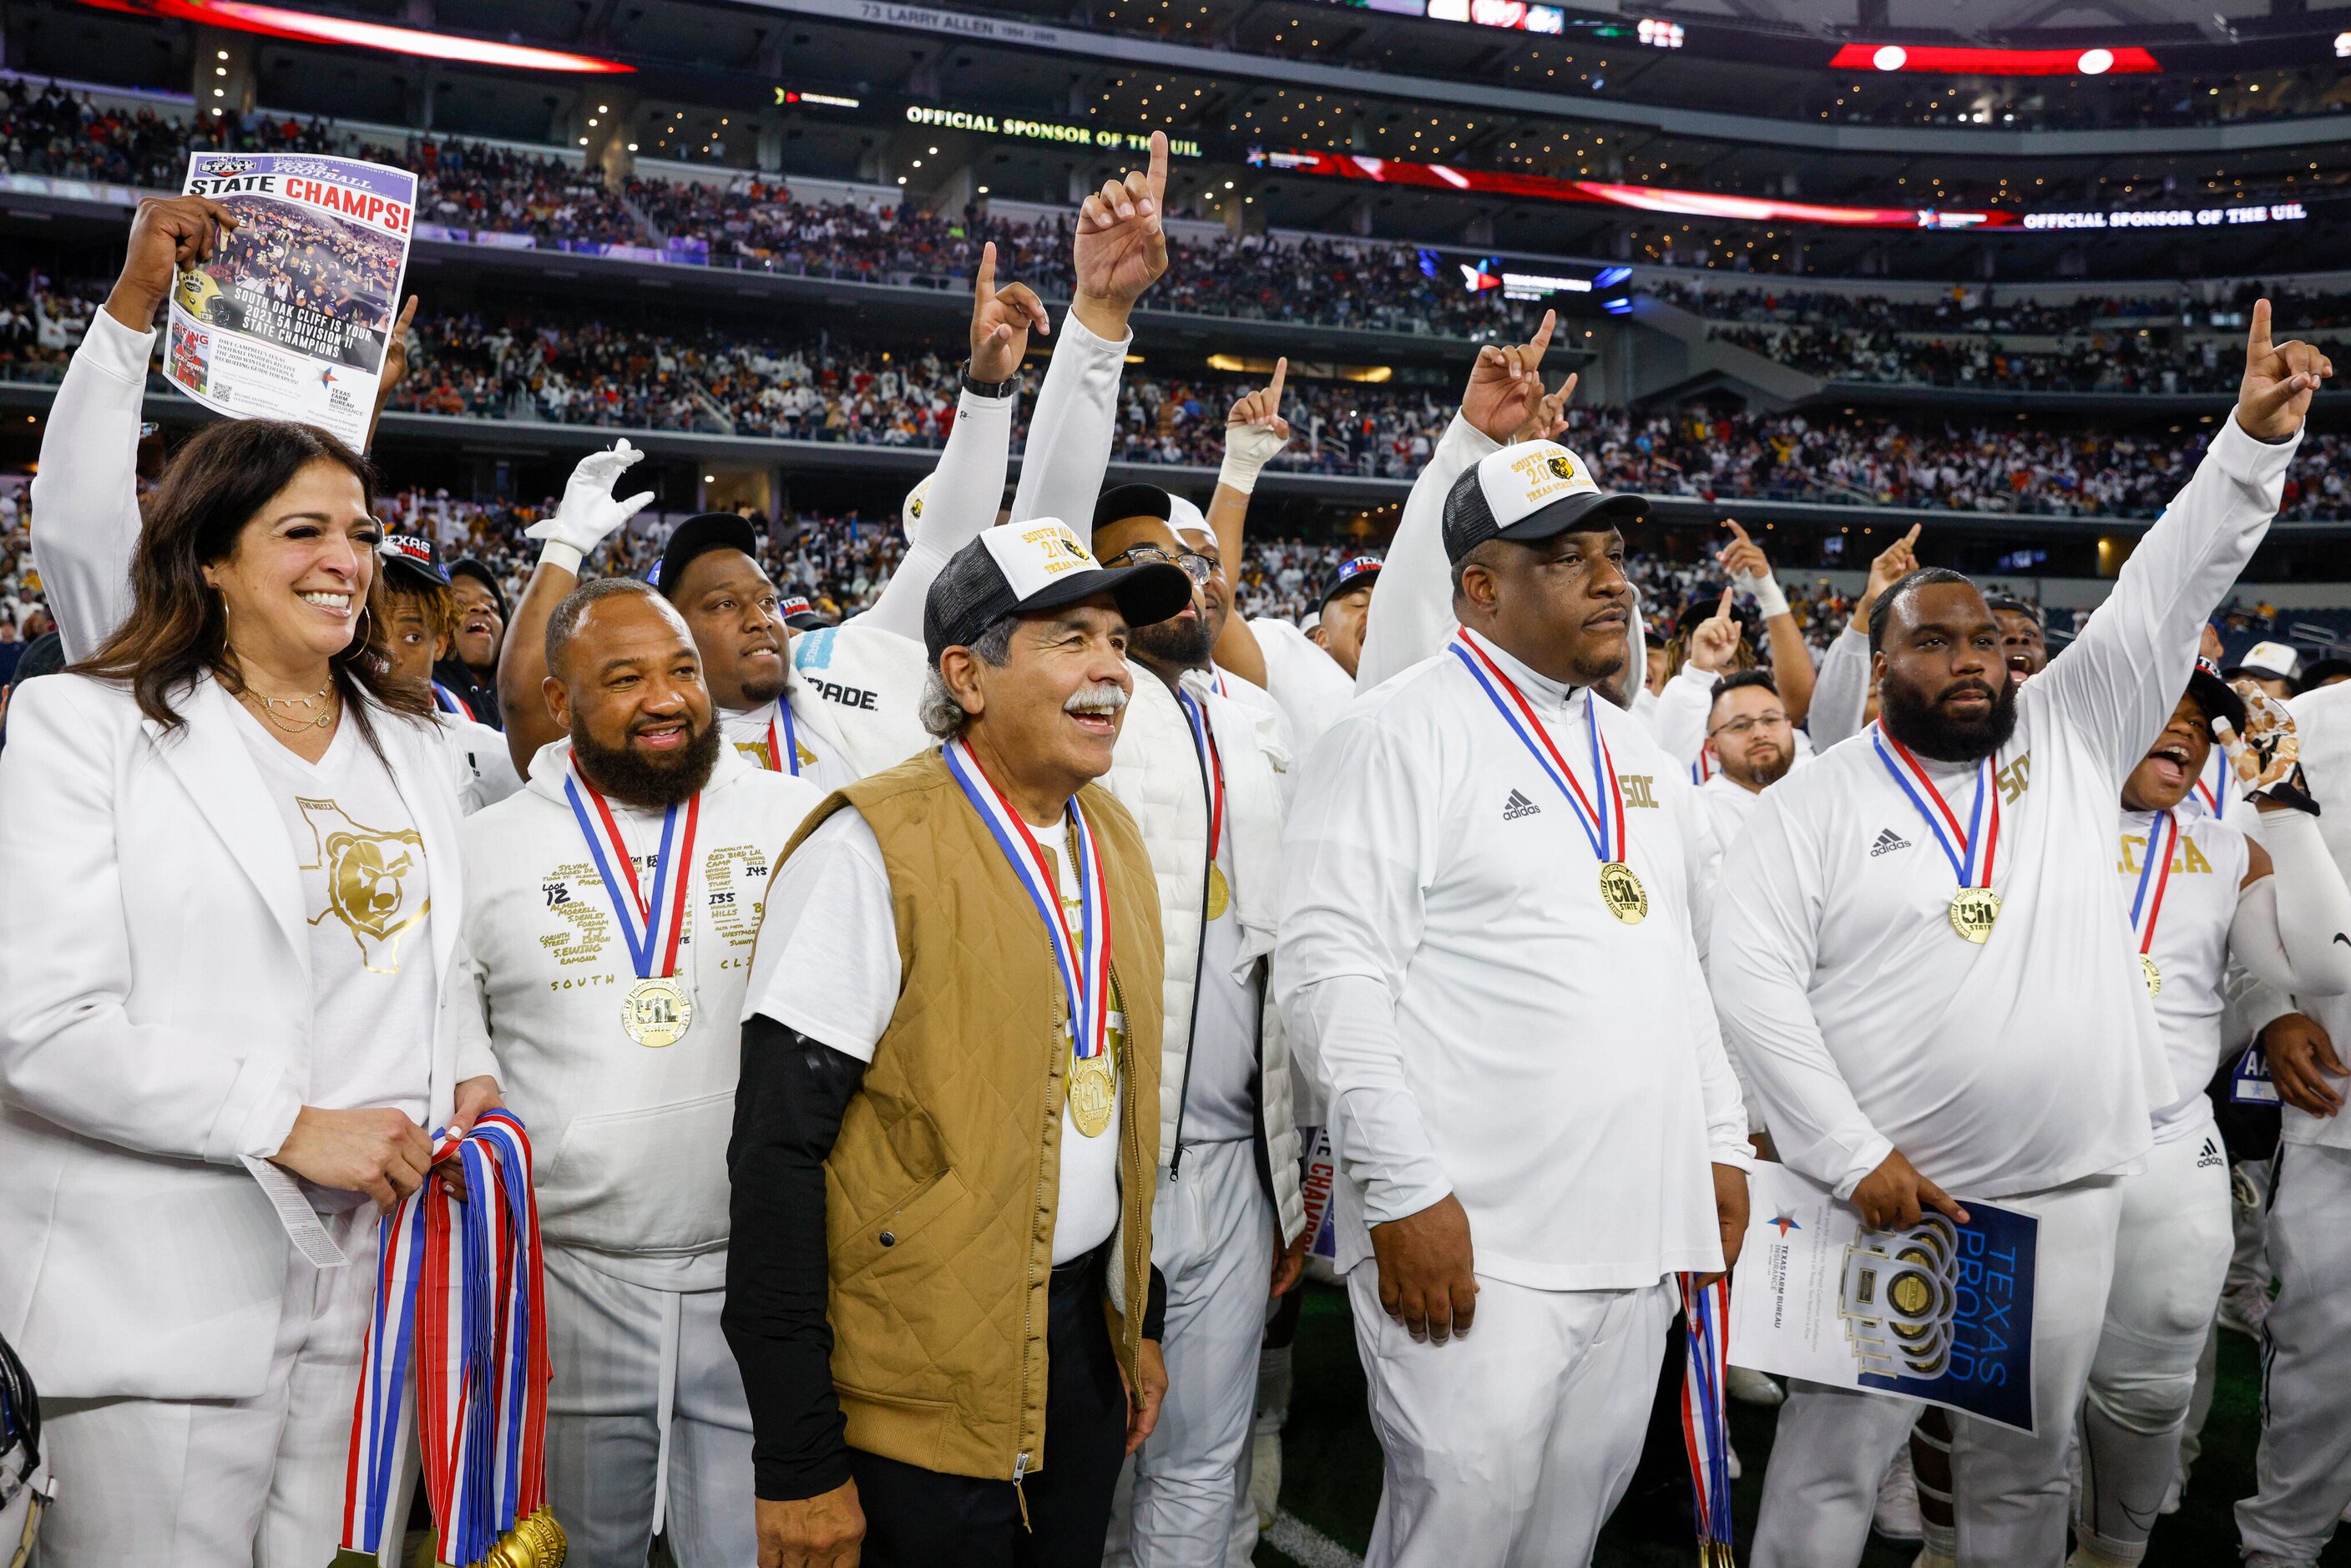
(2090,62)
(277,22)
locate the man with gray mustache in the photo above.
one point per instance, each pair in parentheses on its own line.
(945,1148)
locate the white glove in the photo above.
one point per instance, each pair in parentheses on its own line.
(589,513)
(1247,449)
(1770,598)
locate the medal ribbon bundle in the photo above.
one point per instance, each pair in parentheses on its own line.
(656,1009)
(1082,955)
(1620,889)
(1975,906)
(459,1316)
(2165,828)
(2210,793)
(1212,764)
(1706,1430)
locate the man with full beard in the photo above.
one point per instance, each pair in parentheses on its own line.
(1206,776)
(1916,954)
(612,907)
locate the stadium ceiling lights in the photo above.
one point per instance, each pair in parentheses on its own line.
(276,22)
(2128,61)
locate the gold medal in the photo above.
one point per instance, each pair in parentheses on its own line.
(2152,972)
(535,1541)
(656,1012)
(1973,912)
(1094,1092)
(1622,892)
(1221,891)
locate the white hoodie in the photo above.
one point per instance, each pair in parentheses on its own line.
(630,1140)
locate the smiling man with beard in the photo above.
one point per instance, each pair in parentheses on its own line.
(1916,955)
(1488,899)
(613,903)
(949,1117)
(1205,774)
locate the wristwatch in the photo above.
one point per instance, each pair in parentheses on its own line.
(988,389)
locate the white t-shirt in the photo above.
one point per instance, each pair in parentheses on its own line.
(831,917)
(366,894)
(2190,948)
(748,733)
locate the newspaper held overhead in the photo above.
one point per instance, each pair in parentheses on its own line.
(1937,1311)
(290,317)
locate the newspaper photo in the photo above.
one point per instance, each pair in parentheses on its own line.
(290,317)
(1938,1311)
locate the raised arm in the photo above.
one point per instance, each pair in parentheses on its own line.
(1412,614)
(968,483)
(1841,690)
(1792,663)
(2119,680)
(1255,434)
(1687,699)
(587,515)
(1120,250)
(86,493)
(396,367)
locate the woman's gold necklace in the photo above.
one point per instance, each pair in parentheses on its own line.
(310,719)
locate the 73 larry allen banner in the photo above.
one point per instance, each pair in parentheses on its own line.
(290,317)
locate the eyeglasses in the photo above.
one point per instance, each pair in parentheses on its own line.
(1740,726)
(1198,568)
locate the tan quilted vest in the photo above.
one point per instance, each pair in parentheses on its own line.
(939,1195)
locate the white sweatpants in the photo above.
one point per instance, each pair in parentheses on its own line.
(1833,1445)
(2171,1251)
(1212,1237)
(2304,1471)
(1511,1447)
(227,1484)
(647,1428)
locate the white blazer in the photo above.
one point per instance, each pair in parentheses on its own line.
(155,1034)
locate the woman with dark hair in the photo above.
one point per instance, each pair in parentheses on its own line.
(236,1001)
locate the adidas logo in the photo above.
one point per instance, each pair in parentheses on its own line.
(1518,806)
(2209,1156)
(1887,842)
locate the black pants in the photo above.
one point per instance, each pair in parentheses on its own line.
(916,1518)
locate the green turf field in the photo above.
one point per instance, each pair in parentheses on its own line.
(1331,1463)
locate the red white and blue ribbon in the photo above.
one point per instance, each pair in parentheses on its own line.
(2145,912)
(459,1316)
(1604,825)
(1083,955)
(2214,794)
(784,745)
(1706,1431)
(450,702)
(651,924)
(1212,766)
(1971,851)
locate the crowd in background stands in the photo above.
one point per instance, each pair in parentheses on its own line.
(1974,308)
(2117,360)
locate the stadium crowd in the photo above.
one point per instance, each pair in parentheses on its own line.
(1001,944)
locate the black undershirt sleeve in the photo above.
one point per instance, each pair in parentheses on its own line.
(1154,1312)
(788,1109)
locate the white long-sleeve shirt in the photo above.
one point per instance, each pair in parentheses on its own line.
(2190,947)
(1070,432)
(85,495)
(966,489)
(1412,611)
(2323,720)
(1863,1020)
(1840,689)
(1479,1021)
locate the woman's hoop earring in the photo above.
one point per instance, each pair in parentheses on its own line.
(359,644)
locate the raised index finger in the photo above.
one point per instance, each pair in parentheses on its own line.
(1722,611)
(2257,341)
(1273,387)
(1157,173)
(983,283)
(1542,340)
(1732,524)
